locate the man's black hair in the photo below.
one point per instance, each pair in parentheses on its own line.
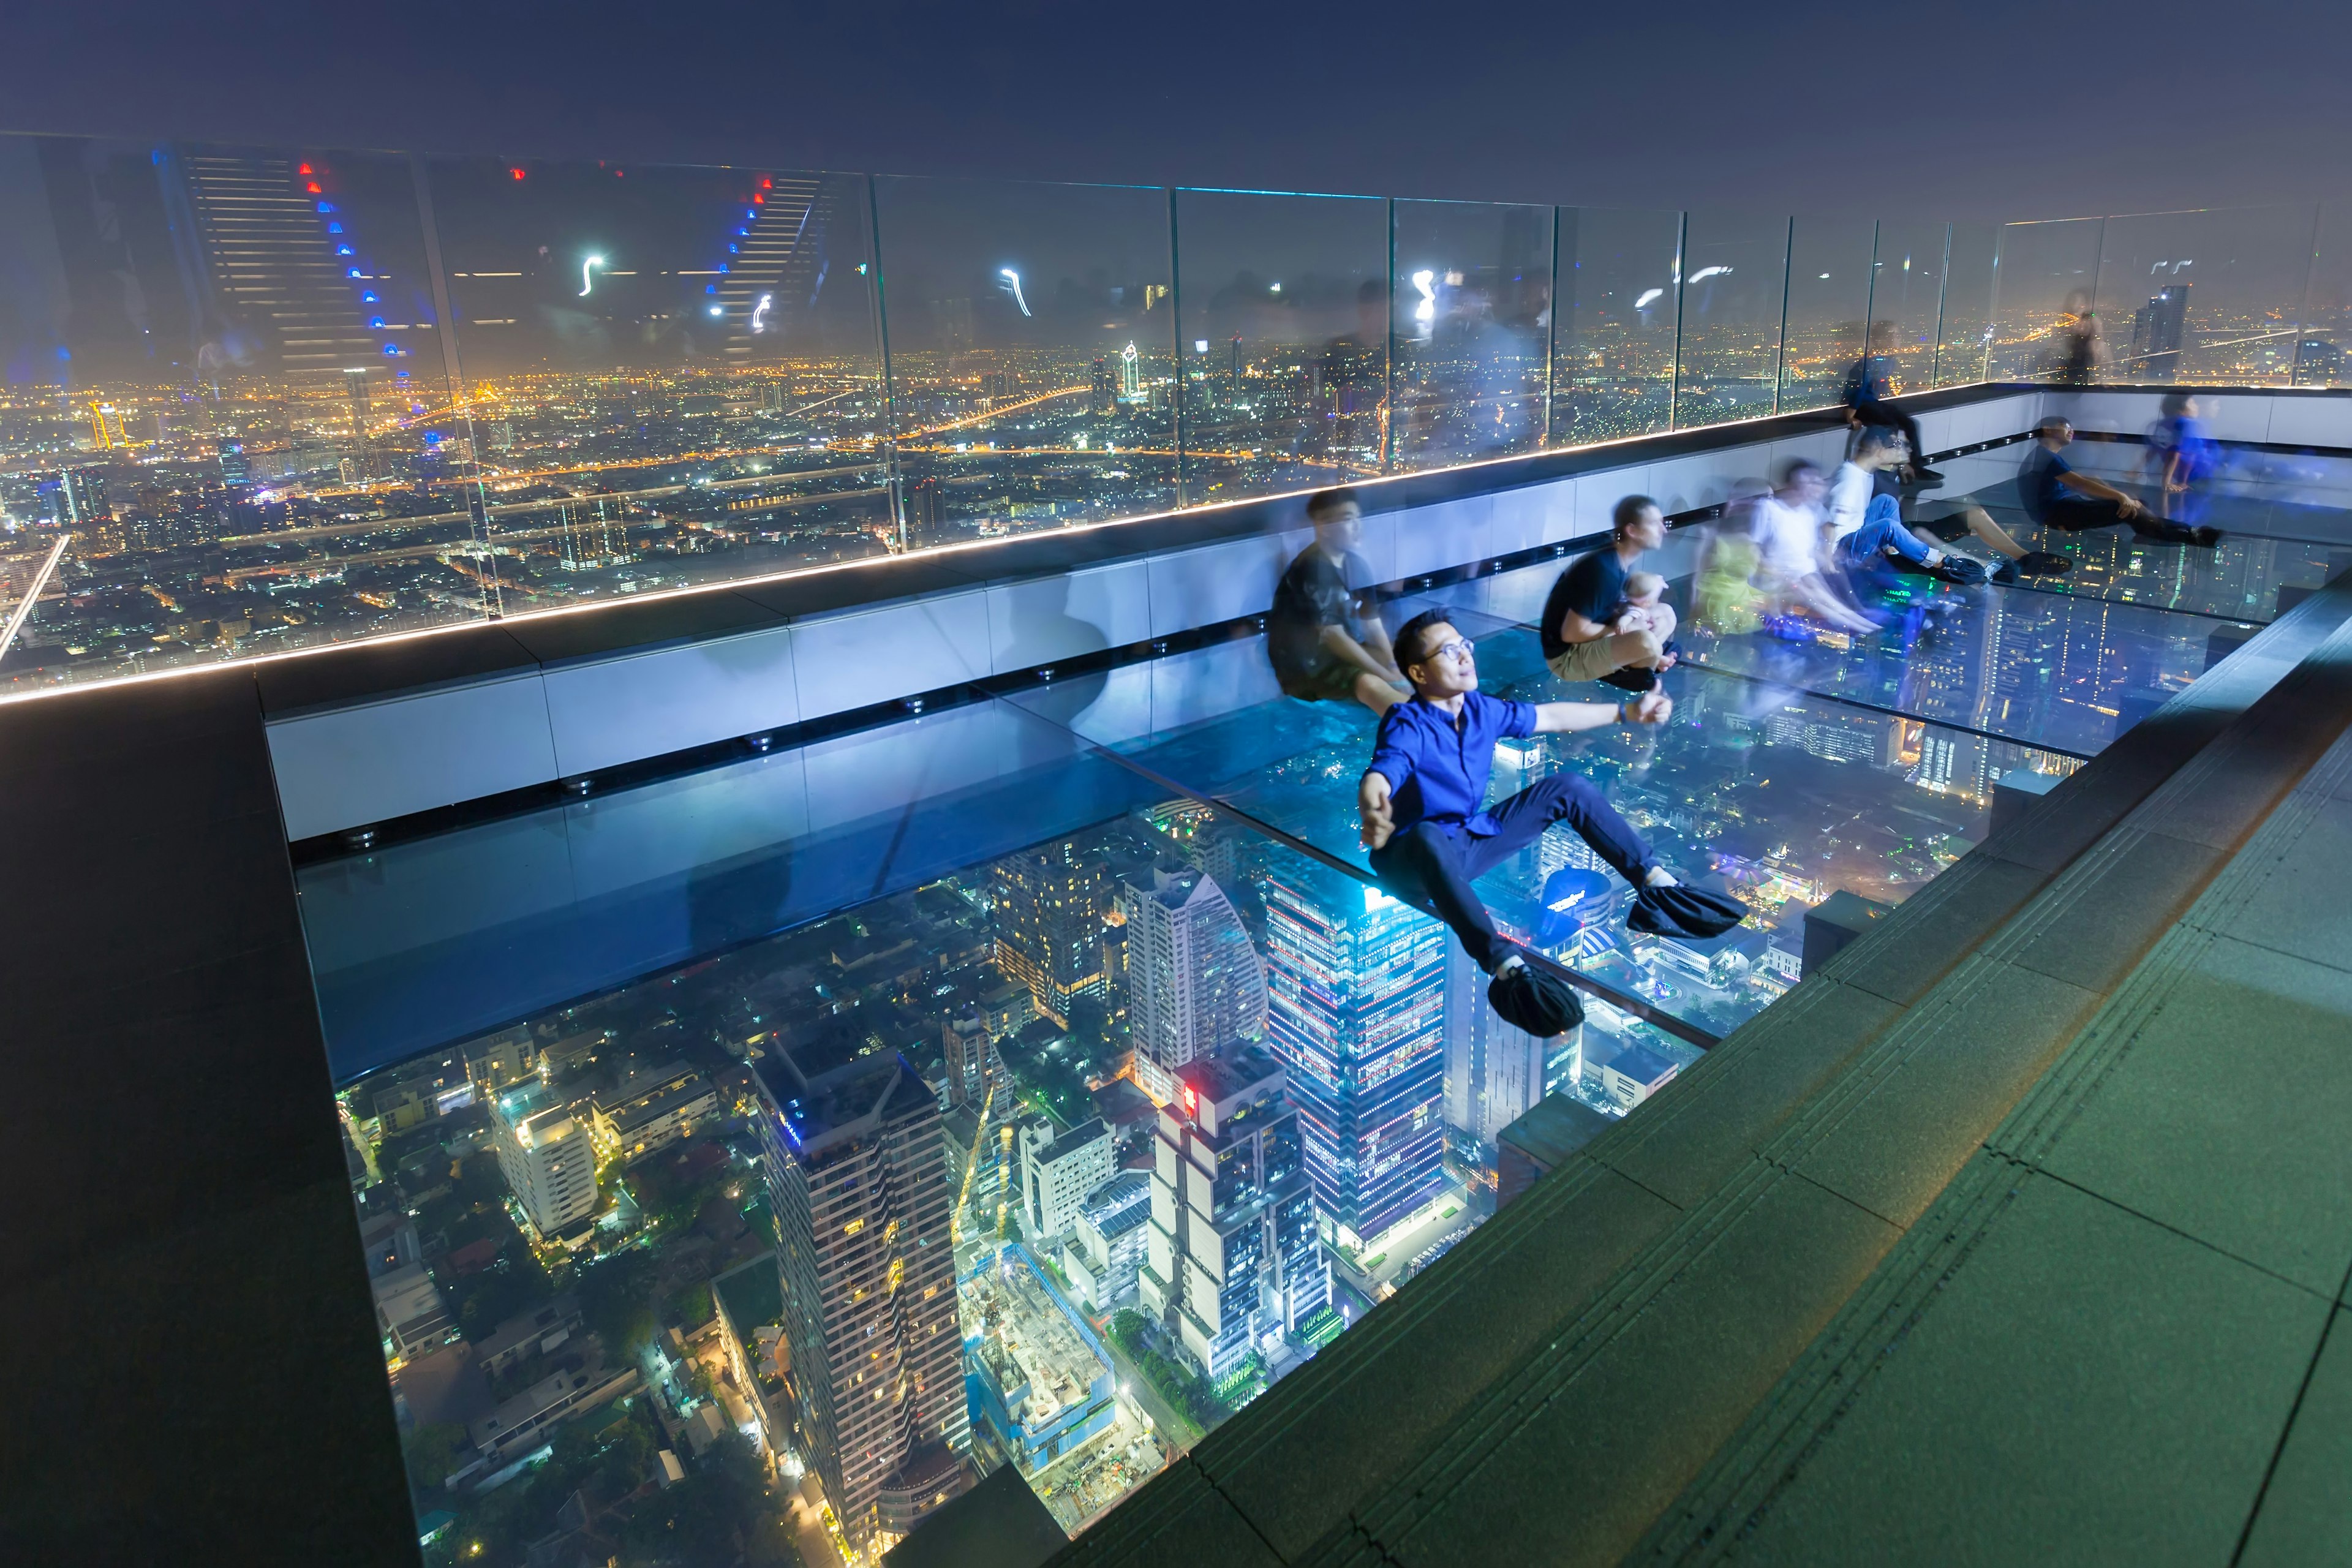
(1880,438)
(1323,503)
(2053,422)
(1411,637)
(2175,404)
(1798,466)
(1628,512)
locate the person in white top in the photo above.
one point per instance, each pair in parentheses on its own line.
(1856,482)
(1789,530)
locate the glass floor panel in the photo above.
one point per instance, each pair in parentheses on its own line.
(958,928)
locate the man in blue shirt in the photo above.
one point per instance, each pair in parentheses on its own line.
(2057,497)
(1423,797)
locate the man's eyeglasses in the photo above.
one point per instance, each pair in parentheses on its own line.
(1454,650)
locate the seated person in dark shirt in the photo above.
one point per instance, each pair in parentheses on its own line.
(1423,798)
(1585,632)
(2055,496)
(1322,649)
(1868,394)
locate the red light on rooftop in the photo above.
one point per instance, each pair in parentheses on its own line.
(304,170)
(515,173)
(312,187)
(1191,1100)
(757,198)
(767,184)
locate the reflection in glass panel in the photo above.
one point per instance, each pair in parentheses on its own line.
(1473,293)
(1965,338)
(1734,271)
(1613,345)
(1907,291)
(2044,325)
(1828,298)
(224,381)
(637,1247)
(2207,297)
(1032,337)
(2326,337)
(1282,309)
(672,371)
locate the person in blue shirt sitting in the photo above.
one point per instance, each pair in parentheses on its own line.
(2057,497)
(1422,799)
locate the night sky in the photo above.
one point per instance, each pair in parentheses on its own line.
(1993,109)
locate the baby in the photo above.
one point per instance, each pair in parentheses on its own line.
(1644,590)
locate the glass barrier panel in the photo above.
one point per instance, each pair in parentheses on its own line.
(1032,353)
(1964,332)
(2326,335)
(1906,292)
(1830,262)
(672,373)
(2210,297)
(2044,326)
(224,381)
(1734,276)
(1613,331)
(1471,331)
(1282,316)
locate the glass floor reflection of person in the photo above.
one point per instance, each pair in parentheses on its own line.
(1322,646)
(1421,800)
(2058,498)
(1591,630)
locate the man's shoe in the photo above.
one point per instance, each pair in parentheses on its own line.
(1632,677)
(2208,537)
(2044,563)
(1535,1000)
(1966,571)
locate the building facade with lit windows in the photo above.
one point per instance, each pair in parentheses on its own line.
(547,1158)
(1050,904)
(1195,983)
(861,1198)
(1356,1011)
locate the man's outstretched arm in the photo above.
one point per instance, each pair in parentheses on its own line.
(1559,717)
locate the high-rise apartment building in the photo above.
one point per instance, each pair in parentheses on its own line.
(547,1158)
(861,1198)
(1356,1010)
(1050,903)
(970,1060)
(1195,983)
(1059,1172)
(2160,332)
(1232,1255)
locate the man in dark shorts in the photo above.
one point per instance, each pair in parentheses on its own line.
(1423,800)
(1322,649)
(1868,396)
(1585,636)
(2058,498)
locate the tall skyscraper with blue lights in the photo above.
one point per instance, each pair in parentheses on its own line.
(1356,994)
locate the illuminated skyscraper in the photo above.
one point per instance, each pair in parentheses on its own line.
(2159,330)
(1130,375)
(1050,904)
(1356,1010)
(1100,397)
(1193,981)
(282,267)
(547,1159)
(1231,1255)
(859,1187)
(234,468)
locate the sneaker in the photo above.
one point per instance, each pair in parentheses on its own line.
(2005,573)
(1966,571)
(2207,537)
(2044,563)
